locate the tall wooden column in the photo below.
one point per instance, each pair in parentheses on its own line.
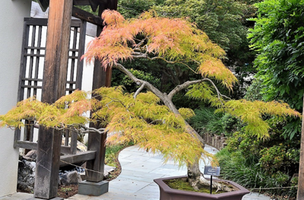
(96,141)
(54,85)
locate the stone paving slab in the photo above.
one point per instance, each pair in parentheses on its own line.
(255,196)
(17,196)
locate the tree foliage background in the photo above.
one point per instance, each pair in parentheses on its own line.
(277,37)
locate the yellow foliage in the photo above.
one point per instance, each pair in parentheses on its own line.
(65,112)
(143,120)
(251,112)
(150,125)
(205,92)
(148,97)
(186,113)
(77,95)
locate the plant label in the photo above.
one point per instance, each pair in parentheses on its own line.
(213,171)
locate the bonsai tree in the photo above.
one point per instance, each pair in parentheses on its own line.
(151,119)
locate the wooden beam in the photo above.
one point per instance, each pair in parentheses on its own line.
(108,77)
(53,87)
(77,158)
(81,2)
(86,16)
(66,150)
(112,4)
(26,145)
(96,142)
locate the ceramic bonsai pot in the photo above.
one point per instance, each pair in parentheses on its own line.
(167,193)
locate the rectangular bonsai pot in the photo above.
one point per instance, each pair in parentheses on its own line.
(167,193)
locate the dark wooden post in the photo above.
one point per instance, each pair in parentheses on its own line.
(54,85)
(96,141)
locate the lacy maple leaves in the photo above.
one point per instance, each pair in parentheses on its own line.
(152,37)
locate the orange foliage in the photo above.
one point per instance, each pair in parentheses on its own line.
(112,19)
(169,39)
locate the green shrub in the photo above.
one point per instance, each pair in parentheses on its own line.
(262,164)
(112,153)
(205,120)
(272,158)
(234,167)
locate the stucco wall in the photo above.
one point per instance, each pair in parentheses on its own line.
(12,13)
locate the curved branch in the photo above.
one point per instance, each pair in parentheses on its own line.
(139,89)
(148,85)
(91,129)
(164,98)
(145,55)
(183,86)
(172,62)
(141,42)
(219,94)
(139,55)
(188,83)
(82,129)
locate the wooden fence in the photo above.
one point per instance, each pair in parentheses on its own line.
(216,141)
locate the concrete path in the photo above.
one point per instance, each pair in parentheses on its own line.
(135,182)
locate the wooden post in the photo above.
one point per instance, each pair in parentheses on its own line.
(300,194)
(96,141)
(53,87)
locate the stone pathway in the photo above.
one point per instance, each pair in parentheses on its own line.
(139,168)
(135,182)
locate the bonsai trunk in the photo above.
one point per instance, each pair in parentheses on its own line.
(195,177)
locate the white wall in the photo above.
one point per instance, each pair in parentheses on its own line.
(12,13)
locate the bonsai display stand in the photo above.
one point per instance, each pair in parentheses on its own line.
(93,189)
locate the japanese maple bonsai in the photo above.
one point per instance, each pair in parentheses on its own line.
(163,127)
(150,119)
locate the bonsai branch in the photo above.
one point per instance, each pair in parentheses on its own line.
(137,53)
(162,96)
(172,62)
(139,81)
(183,86)
(139,89)
(219,94)
(85,129)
